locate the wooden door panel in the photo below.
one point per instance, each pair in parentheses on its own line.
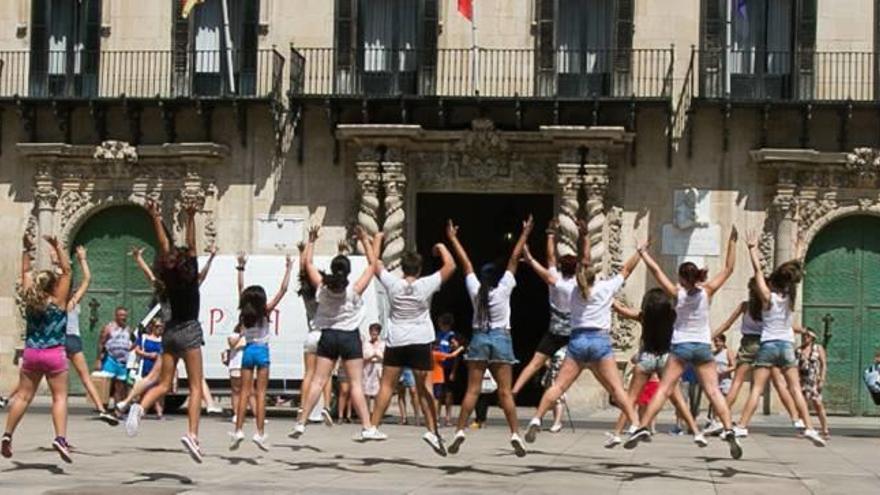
(839,393)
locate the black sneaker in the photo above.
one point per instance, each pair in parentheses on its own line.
(736,450)
(60,445)
(6,446)
(636,437)
(108,418)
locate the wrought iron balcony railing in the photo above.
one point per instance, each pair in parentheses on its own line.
(788,75)
(141,73)
(487,72)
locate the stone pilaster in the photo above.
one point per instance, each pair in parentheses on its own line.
(569,182)
(596,188)
(367,173)
(784,211)
(45,199)
(394,184)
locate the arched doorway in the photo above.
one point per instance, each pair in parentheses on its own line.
(842,294)
(116,280)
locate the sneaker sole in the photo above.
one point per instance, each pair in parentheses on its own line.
(295,435)
(328,420)
(191,450)
(109,421)
(736,451)
(65,455)
(261,446)
(437,450)
(633,442)
(236,443)
(455,446)
(817,442)
(701,445)
(532,433)
(611,445)
(518,449)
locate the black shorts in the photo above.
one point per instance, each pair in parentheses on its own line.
(550,343)
(415,356)
(340,344)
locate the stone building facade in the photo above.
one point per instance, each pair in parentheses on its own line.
(369,112)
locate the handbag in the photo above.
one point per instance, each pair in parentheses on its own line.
(489,385)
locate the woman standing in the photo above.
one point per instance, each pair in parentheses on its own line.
(813,367)
(149,348)
(590,343)
(374,352)
(560,278)
(339,316)
(177,269)
(45,296)
(253,319)
(691,340)
(491,346)
(777,337)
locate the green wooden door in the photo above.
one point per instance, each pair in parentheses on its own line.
(842,293)
(116,280)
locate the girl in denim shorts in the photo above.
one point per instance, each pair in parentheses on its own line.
(778,295)
(590,343)
(657,317)
(253,318)
(691,340)
(491,346)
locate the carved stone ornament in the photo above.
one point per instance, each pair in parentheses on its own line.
(485,153)
(864,162)
(116,151)
(623,330)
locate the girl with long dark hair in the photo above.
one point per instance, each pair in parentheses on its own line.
(691,340)
(590,342)
(254,319)
(778,295)
(491,345)
(657,316)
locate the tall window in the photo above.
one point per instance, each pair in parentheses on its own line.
(583,35)
(760,36)
(65,39)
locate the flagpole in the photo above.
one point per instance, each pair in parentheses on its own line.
(475,55)
(228,37)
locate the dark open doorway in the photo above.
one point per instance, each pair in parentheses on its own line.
(489,225)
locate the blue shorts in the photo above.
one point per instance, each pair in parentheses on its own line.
(589,345)
(115,368)
(493,345)
(407,378)
(778,353)
(255,356)
(650,363)
(693,352)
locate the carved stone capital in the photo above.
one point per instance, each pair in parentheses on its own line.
(45,195)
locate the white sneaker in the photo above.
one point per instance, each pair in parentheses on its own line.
(700,440)
(714,428)
(556,428)
(260,441)
(533,430)
(328,419)
(234,419)
(612,440)
(192,447)
(215,409)
(435,442)
(813,436)
(519,448)
(457,440)
(298,430)
(369,434)
(121,407)
(740,431)
(799,424)
(133,421)
(237,438)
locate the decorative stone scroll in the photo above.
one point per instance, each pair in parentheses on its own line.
(570,183)
(394,183)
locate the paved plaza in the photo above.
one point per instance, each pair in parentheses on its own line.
(326,461)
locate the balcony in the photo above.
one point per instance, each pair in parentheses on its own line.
(141,74)
(483,72)
(749,75)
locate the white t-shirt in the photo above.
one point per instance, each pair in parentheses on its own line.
(560,292)
(777,320)
(339,311)
(595,311)
(410,317)
(73,321)
(257,334)
(692,318)
(499,301)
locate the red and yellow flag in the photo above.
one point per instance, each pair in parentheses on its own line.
(186,7)
(466,8)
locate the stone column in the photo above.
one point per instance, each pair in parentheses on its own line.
(45,199)
(786,224)
(367,173)
(569,182)
(394,183)
(596,185)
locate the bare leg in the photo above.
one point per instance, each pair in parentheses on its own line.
(792,377)
(823,416)
(192,359)
(262,385)
(534,365)
(309,363)
(206,395)
(636,383)
(425,396)
(247,385)
(78,361)
(354,368)
(607,368)
(144,383)
(24,394)
(58,387)
(568,373)
(785,396)
(323,368)
(681,407)
(708,376)
(669,378)
(344,394)
(739,378)
(417,407)
(760,375)
(401,403)
(476,369)
(390,376)
(168,366)
(235,387)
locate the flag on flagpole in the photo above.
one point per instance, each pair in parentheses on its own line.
(466,8)
(186,7)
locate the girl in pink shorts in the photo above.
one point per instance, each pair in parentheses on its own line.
(45,295)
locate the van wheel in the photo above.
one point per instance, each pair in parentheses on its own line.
(174,402)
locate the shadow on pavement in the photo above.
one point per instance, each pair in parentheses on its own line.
(154,477)
(24,466)
(235,461)
(336,466)
(448,469)
(298,448)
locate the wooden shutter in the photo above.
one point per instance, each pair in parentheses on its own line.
(545,47)
(713,40)
(344,51)
(804,47)
(427,54)
(247,50)
(623,42)
(39,47)
(179,49)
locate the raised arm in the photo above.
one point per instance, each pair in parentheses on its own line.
(161,234)
(755,257)
(212,252)
(448,266)
(551,243)
(27,277)
(543,273)
(138,254)
(718,281)
(625,311)
(740,309)
(191,228)
(240,266)
(285,282)
(527,227)
(630,264)
(62,287)
(86,278)
(372,258)
(585,242)
(458,249)
(658,274)
(312,273)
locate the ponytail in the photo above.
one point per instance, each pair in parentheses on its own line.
(785,279)
(586,276)
(36,298)
(337,279)
(489,278)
